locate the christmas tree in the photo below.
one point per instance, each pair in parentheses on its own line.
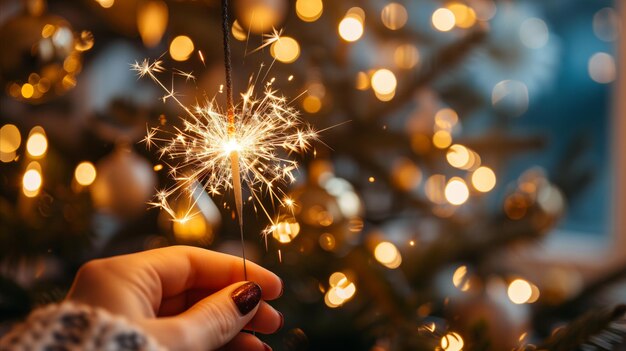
(429,152)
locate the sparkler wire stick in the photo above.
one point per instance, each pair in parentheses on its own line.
(234,154)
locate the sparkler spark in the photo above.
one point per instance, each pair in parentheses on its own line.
(215,153)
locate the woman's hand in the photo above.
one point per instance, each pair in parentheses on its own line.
(187,298)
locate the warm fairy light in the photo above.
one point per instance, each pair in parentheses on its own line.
(85,173)
(362,81)
(406,56)
(327,241)
(152,19)
(371,179)
(534,296)
(443,19)
(483,179)
(309,10)
(394,16)
(37,144)
(464,16)
(157,167)
(238,32)
(181,48)
(28,90)
(452,342)
(533,33)
(105,3)
(32,180)
(384,97)
(405,174)
(456,191)
(519,291)
(388,255)
(350,28)
(285,231)
(260,16)
(285,49)
(434,188)
(442,139)
(446,118)
(265,129)
(10,139)
(341,290)
(460,278)
(384,81)
(312,104)
(602,68)
(458,156)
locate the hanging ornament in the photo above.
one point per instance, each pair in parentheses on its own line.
(41,56)
(124,185)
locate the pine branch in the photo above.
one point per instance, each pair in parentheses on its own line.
(594,331)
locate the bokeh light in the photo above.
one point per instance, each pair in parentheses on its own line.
(460,278)
(181,48)
(446,118)
(85,173)
(452,342)
(388,255)
(37,143)
(106,3)
(286,230)
(456,191)
(350,29)
(285,49)
(311,104)
(464,16)
(10,138)
(458,156)
(602,68)
(309,10)
(435,188)
(32,179)
(606,24)
(152,17)
(193,228)
(443,19)
(519,291)
(534,33)
(394,16)
(442,139)
(238,32)
(384,81)
(406,56)
(483,179)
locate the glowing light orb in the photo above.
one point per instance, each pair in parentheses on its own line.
(350,29)
(85,173)
(483,179)
(519,291)
(443,19)
(285,49)
(181,48)
(456,191)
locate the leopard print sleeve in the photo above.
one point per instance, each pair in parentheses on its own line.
(72,327)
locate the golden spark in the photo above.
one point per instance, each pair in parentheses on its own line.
(217,154)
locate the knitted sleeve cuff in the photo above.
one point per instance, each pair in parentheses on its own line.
(71,326)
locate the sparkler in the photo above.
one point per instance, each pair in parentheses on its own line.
(249,144)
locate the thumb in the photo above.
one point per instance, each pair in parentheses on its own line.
(215,320)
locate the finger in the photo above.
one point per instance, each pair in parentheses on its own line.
(248,342)
(266,320)
(218,318)
(180,268)
(173,305)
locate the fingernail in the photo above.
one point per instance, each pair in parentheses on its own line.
(266,347)
(282,287)
(282,321)
(246,297)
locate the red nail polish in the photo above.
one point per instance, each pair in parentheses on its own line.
(246,297)
(282,287)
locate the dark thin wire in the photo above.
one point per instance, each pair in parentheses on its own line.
(230,106)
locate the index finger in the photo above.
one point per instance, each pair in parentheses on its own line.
(180,268)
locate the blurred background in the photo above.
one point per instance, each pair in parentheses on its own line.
(464,194)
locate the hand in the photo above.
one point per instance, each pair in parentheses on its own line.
(187,298)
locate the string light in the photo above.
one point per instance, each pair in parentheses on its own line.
(152,17)
(37,144)
(181,48)
(443,19)
(394,16)
(456,191)
(519,291)
(351,26)
(285,49)
(384,81)
(85,173)
(483,179)
(309,10)
(388,255)
(452,342)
